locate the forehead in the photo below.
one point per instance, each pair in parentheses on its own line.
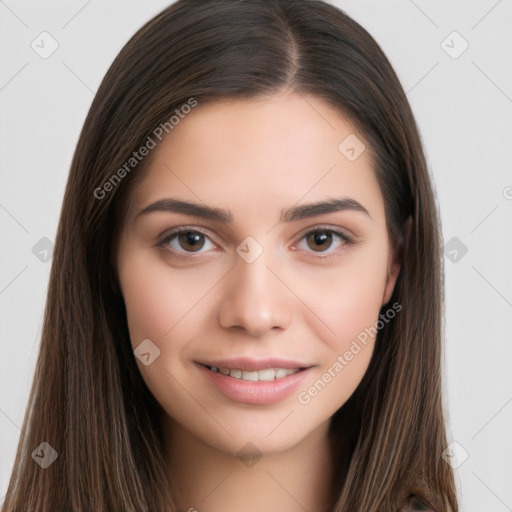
(262,153)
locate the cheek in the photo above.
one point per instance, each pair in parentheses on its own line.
(167,307)
(358,299)
(158,299)
(346,297)
(348,300)
(148,304)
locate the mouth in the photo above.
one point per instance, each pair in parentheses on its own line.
(263,375)
(256,382)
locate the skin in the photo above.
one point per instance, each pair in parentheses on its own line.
(254,158)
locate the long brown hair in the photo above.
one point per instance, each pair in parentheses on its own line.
(88,400)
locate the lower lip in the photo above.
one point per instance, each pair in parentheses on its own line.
(258,392)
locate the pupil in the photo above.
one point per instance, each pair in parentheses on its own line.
(192,239)
(320,238)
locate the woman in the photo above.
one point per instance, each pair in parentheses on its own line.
(244,309)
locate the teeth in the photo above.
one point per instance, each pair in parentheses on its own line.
(267,374)
(281,372)
(252,376)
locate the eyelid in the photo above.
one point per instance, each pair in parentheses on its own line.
(179,229)
(343,233)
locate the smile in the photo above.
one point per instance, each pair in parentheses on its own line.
(266,374)
(258,383)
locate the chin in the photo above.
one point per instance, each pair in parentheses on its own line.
(261,436)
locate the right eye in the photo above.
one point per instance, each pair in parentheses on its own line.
(186,241)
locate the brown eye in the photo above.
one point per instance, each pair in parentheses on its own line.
(323,242)
(319,240)
(186,241)
(191,240)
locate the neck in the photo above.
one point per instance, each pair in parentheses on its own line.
(208,480)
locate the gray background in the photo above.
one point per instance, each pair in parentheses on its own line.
(463,105)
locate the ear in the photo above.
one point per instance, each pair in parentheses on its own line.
(395,260)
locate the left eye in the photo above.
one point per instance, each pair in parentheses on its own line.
(321,240)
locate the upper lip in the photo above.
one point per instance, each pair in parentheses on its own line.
(244,363)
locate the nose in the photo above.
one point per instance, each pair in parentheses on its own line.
(255,300)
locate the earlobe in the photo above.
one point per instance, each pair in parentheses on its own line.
(391,281)
(397,253)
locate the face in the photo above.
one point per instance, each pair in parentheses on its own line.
(229,270)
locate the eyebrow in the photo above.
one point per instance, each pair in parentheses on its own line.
(292,214)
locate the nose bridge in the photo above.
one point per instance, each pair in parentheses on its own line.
(254,277)
(255,299)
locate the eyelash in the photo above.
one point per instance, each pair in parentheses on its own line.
(169,235)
